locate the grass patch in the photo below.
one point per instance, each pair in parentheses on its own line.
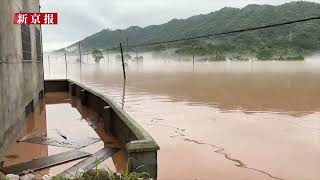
(105,175)
(3,178)
(99,173)
(295,58)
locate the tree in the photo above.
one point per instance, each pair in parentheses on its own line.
(97,55)
(264,54)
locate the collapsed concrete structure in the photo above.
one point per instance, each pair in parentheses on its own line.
(21,69)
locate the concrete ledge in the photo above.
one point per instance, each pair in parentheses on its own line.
(56,85)
(140,146)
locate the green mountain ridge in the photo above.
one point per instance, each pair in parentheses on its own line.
(302,37)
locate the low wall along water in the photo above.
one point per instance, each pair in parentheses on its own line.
(140,146)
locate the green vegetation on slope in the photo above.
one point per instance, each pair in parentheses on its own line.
(296,39)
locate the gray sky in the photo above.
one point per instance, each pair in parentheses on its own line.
(81,18)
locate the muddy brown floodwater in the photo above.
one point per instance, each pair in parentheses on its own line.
(59,115)
(219,120)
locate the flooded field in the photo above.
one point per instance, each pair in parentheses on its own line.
(217,120)
(58,125)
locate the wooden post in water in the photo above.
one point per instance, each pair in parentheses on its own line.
(216,55)
(137,58)
(137,52)
(123,94)
(87,58)
(108,60)
(123,68)
(65,60)
(49,65)
(80,61)
(127,47)
(194,48)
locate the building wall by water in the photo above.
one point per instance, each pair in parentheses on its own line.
(21,69)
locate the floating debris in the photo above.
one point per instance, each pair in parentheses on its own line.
(74,144)
(44,162)
(61,134)
(89,163)
(13,156)
(34,133)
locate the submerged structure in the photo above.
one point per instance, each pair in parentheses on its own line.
(140,147)
(22,91)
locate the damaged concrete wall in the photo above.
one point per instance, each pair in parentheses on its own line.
(20,80)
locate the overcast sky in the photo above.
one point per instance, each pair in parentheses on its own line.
(81,18)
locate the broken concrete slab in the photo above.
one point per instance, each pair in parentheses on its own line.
(89,163)
(45,162)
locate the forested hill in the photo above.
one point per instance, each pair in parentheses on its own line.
(300,36)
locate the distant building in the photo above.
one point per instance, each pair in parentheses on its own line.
(21,69)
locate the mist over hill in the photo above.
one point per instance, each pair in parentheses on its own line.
(298,38)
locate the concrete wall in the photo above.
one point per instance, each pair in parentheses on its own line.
(20,81)
(140,146)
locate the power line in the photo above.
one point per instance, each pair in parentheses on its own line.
(216,34)
(229,32)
